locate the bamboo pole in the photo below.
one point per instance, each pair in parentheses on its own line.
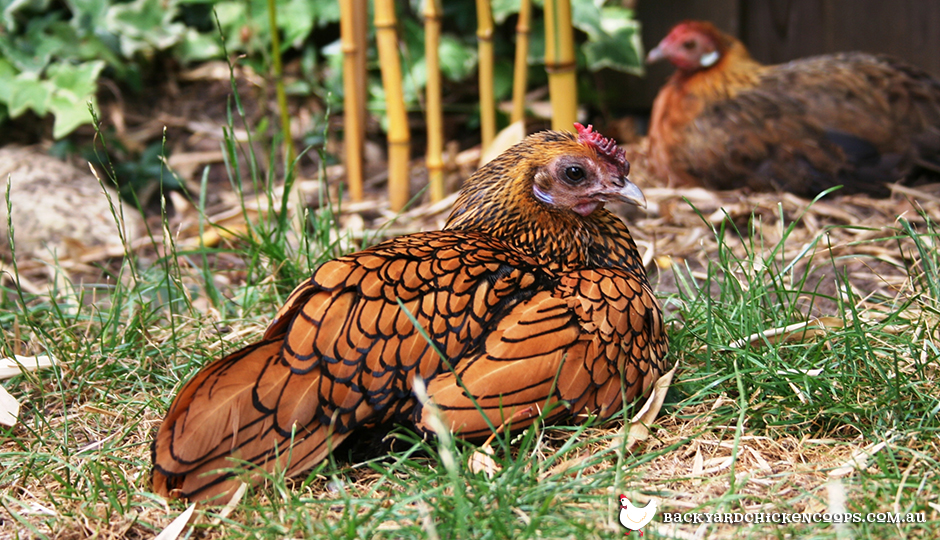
(361,28)
(399,138)
(521,69)
(485,64)
(560,64)
(353,112)
(435,155)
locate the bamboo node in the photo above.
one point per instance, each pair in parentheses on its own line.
(561,67)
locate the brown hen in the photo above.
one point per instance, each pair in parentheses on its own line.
(533,293)
(851,119)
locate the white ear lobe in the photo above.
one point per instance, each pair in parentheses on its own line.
(708,59)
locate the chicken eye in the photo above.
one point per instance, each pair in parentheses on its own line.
(688,45)
(575,174)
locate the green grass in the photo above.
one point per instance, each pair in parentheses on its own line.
(812,403)
(753,427)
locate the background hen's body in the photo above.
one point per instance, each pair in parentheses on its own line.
(849,119)
(530,304)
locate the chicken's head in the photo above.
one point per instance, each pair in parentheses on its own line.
(691,46)
(546,196)
(584,181)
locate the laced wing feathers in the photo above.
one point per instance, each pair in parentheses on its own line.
(628,344)
(235,410)
(221,392)
(588,343)
(339,355)
(364,342)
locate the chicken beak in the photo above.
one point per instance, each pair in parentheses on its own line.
(656,55)
(630,193)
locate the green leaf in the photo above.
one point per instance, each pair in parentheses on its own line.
(196,47)
(66,93)
(80,81)
(29,92)
(502,9)
(14,8)
(231,13)
(502,78)
(69,113)
(233,16)
(537,42)
(333,75)
(416,78)
(69,43)
(88,16)
(412,34)
(586,17)
(7,74)
(295,19)
(618,44)
(144,25)
(457,59)
(30,52)
(326,13)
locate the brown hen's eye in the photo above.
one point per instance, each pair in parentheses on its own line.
(575,174)
(689,45)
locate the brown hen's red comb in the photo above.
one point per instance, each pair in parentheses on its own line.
(605,146)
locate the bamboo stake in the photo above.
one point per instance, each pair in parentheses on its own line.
(353,113)
(399,138)
(435,155)
(521,69)
(560,64)
(487,91)
(361,28)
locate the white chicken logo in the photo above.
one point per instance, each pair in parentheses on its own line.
(635,518)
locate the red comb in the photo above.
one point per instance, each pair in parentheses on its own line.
(605,146)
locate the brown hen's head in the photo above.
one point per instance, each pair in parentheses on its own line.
(694,45)
(546,196)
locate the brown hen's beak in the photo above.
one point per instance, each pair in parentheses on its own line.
(655,55)
(630,193)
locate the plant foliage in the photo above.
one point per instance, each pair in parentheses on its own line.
(52,54)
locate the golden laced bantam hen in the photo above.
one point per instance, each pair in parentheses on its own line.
(534,294)
(850,119)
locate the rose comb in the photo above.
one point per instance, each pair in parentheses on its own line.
(602,144)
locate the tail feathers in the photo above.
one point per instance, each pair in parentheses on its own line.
(242,415)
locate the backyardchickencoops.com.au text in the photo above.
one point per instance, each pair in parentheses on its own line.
(783,517)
